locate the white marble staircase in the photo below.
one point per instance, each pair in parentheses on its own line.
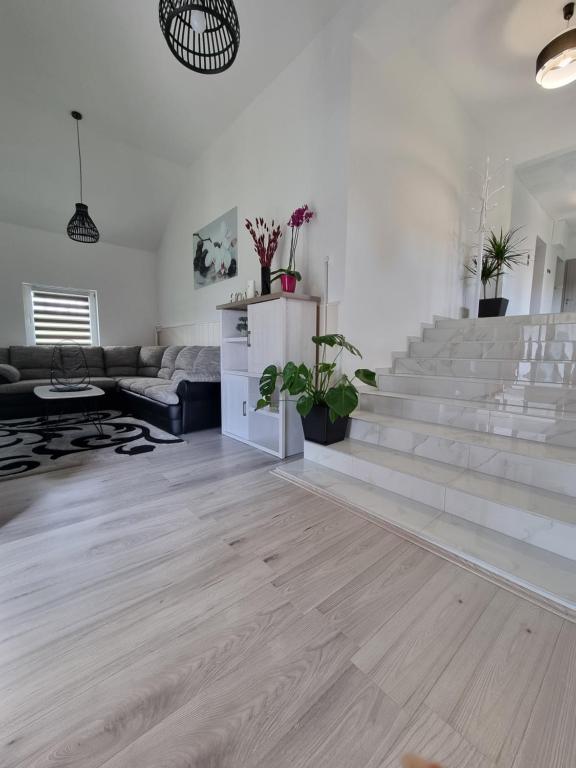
(470,445)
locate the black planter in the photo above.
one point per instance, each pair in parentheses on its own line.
(319,429)
(492,307)
(265,281)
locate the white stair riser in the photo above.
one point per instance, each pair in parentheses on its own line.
(508,370)
(483,322)
(561,432)
(416,384)
(555,476)
(418,489)
(501,350)
(502,333)
(556,537)
(532,395)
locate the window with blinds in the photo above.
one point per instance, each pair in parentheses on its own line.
(60,316)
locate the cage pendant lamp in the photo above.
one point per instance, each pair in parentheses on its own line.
(556,64)
(81,228)
(204,35)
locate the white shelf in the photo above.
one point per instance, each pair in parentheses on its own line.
(241,372)
(266,412)
(236,340)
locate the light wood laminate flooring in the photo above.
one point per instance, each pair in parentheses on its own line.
(187,609)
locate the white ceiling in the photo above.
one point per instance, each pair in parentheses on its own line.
(486,50)
(146,116)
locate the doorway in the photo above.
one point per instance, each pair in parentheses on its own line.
(538,277)
(569,299)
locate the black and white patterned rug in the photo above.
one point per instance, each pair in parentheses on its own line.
(33,446)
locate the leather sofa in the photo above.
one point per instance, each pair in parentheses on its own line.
(175,388)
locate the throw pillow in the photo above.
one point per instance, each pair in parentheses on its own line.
(8,374)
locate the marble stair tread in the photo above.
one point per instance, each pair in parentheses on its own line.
(521,371)
(500,406)
(486,387)
(542,574)
(544,504)
(545,319)
(527,351)
(561,399)
(502,443)
(510,333)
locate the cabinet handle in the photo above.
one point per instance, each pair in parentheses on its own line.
(249,344)
(244,408)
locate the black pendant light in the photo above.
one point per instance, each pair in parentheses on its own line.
(204,35)
(556,64)
(81,228)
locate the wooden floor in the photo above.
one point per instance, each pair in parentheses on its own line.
(190,609)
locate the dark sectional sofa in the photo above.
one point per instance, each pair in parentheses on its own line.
(174,388)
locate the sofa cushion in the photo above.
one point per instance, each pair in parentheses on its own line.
(140,384)
(5,355)
(33,362)
(198,364)
(164,394)
(187,358)
(121,361)
(8,374)
(169,362)
(94,357)
(150,360)
(26,386)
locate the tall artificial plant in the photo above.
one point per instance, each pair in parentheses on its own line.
(501,252)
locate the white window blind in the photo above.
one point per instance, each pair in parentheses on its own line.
(60,316)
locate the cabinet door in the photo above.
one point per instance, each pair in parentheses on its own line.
(266,339)
(235,406)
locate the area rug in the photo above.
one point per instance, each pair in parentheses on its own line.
(33,446)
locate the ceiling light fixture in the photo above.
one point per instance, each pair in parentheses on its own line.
(81,228)
(556,64)
(204,35)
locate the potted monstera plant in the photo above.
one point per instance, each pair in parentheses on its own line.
(325,397)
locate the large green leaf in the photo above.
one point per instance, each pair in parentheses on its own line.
(296,378)
(342,399)
(304,405)
(336,340)
(268,381)
(366,377)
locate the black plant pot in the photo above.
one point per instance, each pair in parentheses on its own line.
(319,429)
(492,307)
(265,281)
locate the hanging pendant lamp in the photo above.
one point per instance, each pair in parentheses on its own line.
(204,35)
(81,228)
(556,64)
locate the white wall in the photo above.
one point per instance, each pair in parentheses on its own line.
(412,144)
(528,214)
(123,278)
(289,147)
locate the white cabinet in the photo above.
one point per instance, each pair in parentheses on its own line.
(265,335)
(235,405)
(280,328)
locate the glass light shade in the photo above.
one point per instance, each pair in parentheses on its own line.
(198,22)
(556,65)
(204,35)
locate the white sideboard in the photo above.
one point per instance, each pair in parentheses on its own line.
(280,329)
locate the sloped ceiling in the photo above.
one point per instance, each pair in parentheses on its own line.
(146,116)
